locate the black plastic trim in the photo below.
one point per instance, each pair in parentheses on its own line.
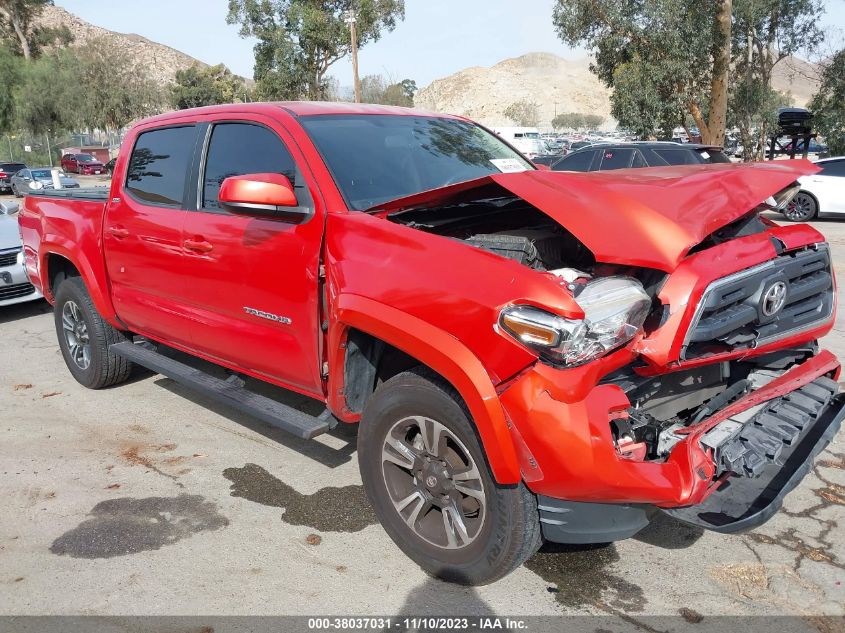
(761,497)
(581,523)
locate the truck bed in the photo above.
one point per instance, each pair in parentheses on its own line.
(97,194)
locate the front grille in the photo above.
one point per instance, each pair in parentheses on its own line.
(16,291)
(9,258)
(746,310)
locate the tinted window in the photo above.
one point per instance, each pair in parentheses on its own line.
(679,156)
(639,161)
(713,156)
(239,148)
(41,173)
(85,158)
(579,161)
(378,158)
(159,165)
(616,158)
(11,168)
(833,168)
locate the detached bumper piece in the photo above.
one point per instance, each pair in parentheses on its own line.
(768,456)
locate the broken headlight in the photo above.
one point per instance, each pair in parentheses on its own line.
(615,309)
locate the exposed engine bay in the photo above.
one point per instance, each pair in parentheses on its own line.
(512,228)
(507,226)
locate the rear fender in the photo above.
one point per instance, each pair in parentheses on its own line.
(439,351)
(93,276)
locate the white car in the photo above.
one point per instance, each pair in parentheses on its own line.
(820,193)
(14,284)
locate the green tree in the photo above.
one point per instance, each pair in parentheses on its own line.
(299,40)
(115,91)
(525,113)
(48,96)
(377,89)
(828,104)
(409,89)
(765,32)
(16,25)
(200,86)
(680,48)
(593,120)
(568,120)
(9,76)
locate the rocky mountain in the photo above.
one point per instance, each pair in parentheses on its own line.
(559,85)
(797,78)
(159,60)
(483,94)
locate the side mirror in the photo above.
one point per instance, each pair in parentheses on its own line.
(269,195)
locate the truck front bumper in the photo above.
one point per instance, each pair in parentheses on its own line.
(589,492)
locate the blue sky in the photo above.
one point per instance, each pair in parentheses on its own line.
(437,38)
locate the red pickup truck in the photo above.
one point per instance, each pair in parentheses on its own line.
(530,355)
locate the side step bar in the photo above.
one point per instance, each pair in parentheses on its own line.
(230,392)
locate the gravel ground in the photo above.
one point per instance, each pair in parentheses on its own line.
(147,499)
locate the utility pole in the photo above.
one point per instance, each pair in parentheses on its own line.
(351,20)
(49,152)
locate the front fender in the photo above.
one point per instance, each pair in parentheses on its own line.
(438,350)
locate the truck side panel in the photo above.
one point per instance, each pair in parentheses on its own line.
(71,228)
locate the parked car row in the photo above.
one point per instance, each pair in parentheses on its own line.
(15,286)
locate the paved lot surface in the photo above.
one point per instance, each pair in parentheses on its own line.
(146,499)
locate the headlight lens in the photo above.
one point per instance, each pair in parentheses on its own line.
(615,309)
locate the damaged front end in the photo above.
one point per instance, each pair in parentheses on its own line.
(691,380)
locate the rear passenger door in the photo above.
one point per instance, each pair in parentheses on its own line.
(254,280)
(142,234)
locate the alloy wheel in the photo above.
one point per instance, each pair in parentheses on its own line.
(433,482)
(802,207)
(76,334)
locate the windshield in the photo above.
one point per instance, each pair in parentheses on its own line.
(41,173)
(376,158)
(85,158)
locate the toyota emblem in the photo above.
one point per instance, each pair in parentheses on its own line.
(773,299)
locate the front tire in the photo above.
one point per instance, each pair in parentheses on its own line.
(802,208)
(425,474)
(84,338)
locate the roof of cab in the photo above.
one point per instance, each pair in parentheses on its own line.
(297,108)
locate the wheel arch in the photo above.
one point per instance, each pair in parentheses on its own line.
(58,263)
(402,333)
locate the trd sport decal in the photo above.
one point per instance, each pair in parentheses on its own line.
(267,315)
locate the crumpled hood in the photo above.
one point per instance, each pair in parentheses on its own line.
(647,217)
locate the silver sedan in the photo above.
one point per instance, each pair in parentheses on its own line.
(34,178)
(14,283)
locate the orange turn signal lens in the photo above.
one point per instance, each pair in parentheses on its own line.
(529,332)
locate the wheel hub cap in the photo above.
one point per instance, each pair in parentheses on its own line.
(433,482)
(76,335)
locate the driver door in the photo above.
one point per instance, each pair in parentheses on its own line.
(254,280)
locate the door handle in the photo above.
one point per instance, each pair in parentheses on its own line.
(119,231)
(198,245)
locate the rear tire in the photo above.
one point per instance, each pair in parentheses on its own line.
(471,539)
(802,208)
(84,338)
